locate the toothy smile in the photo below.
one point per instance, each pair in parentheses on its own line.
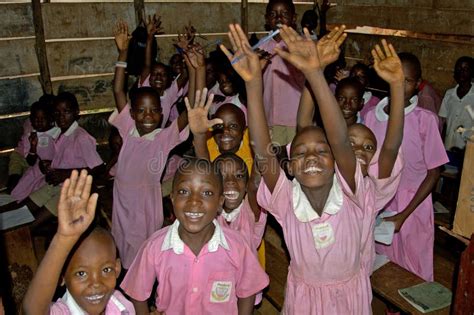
(148,125)
(226,138)
(194,215)
(311,170)
(95,299)
(361,161)
(231,194)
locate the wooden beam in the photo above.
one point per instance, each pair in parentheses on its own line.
(40,48)
(244,15)
(139,6)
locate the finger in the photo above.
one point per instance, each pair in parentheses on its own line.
(232,41)
(387,51)
(64,193)
(215,121)
(86,190)
(307,34)
(341,39)
(91,205)
(226,52)
(285,35)
(392,50)
(197,98)
(294,34)
(73,179)
(339,32)
(80,183)
(186,102)
(202,102)
(283,54)
(210,99)
(242,36)
(376,57)
(235,36)
(379,52)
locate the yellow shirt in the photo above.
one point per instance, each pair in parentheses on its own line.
(244,152)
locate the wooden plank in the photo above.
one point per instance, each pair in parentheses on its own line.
(16,20)
(81,57)
(40,47)
(244,15)
(454,22)
(18,94)
(392,3)
(78,20)
(454,4)
(90,92)
(18,57)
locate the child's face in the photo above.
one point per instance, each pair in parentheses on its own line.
(411,81)
(279,13)
(225,84)
(116,144)
(363,143)
(40,121)
(211,75)
(159,78)
(177,64)
(92,273)
(350,103)
(65,115)
(462,72)
(147,114)
(361,76)
(229,134)
(196,197)
(235,178)
(312,163)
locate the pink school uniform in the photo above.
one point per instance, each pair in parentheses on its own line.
(117,305)
(33,178)
(242,219)
(283,84)
(137,205)
(168,100)
(224,270)
(370,101)
(422,148)
(325,274)
(75,148)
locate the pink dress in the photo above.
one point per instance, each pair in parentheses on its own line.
(117,305)
(169,99)
(325,274)
(24,144)
(209,283)
(370,101)
(283,84)
(33,178)
(137,205)
(75,148)
(422,149)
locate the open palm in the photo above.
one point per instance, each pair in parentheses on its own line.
(76,207)
(197,114)
(121,35)
(329,46)
(387,64)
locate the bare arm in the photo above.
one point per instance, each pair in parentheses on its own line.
(75,203)
(141,307)
(248,67)
(305,113)
(153,26)
(389,67)
(311,59)
(245,305)
(121,40)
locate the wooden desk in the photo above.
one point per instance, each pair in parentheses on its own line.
(387,280)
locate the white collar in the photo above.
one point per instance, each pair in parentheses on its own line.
(304,212)
(54,132)
(173,241)
(383,116)
(455,91)
(231,216)
(71,129)
(367,96)
(149,136)
(75,309)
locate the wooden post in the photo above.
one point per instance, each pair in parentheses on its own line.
(40,48)
(244,15)
(139,10)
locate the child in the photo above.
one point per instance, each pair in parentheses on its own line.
(456,102)
(423,153)
(349,96)
(361,72)
(321,211)
(201,266)
(231,89)
(36,147)
(75,148)
(84,258)
(283,82)
(137,206)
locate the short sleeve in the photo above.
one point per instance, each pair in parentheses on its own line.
(171,137)
(88,151)
(251,278)
(434,153)
(385,189)
(140,278)
(59,308)
(359,196)
(123,121)
(443,110)
(259,228)
(280,202)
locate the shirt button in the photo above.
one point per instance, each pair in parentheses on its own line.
(195,290)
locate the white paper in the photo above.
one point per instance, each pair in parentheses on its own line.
(380,260)
(384,230)
(13,218)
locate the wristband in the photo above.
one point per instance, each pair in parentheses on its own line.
(121,64)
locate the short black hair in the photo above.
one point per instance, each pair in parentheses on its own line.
(190,164)
(413,61)
(289,3)
(135,94)
(234,157)
(468,60)
(41,106)
(68,98)
(352,82)
(235,109)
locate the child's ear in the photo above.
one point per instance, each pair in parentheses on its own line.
(118,267)
(63,282)
(290,168)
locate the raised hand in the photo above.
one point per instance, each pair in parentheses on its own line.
(121,35)
(329,46)
(76,207)
(153,25)
(244,61)
(33,138)
(197,114)
(194,55)
(387,64)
